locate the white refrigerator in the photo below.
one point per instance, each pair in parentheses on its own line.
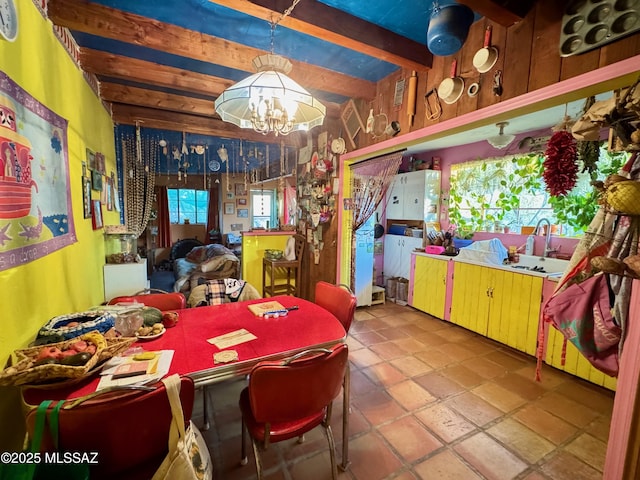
(364,262)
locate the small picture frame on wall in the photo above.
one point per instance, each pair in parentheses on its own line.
(96,214)
(86,196)
(243,213)
(241,190)
(241,201)
(230,195)
(229,208)
(91,159)
(100,163)
(96,180)
(236,227)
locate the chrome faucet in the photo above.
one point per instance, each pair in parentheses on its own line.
(547,240)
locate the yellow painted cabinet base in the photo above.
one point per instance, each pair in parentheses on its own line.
(430,285)
(575,363)
(499,304)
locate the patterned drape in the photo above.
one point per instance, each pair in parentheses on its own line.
(370,180)
(164,230)
(213,216)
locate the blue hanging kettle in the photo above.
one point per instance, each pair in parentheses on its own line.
(448,28)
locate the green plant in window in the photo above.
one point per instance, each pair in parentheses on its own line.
(492,193)
(578,207)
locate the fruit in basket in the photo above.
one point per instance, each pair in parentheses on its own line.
(79,346)
(48,352)
(76,360)
(45,361)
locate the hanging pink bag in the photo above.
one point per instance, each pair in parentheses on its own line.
(582,313)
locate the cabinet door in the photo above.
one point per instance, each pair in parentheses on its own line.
(430,285)
(413,196)
(408,245)
(395,206)
(392,255)
(470,297)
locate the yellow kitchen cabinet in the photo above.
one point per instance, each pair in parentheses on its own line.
(575,364)
(470,298)
(499,304)
(430,285)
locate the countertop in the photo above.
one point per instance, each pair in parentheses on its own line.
(552,276)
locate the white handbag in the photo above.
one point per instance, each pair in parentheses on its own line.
(188,457)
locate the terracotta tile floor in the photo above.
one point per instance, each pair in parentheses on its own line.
(430,400)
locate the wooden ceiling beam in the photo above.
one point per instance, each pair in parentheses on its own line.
(126,27)
(143,97)
(335,26)
(181,122)
(140,71)
(117,93)
(503,12)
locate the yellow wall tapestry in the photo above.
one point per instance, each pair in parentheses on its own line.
(35,198)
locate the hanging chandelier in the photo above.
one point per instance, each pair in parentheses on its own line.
(501,140)
(270,101)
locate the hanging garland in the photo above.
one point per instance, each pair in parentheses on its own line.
(560,164)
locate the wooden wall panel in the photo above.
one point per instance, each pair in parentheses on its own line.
(466,69)
(529,59)
(545,59)
(517,58)
(486,96)
(619,50)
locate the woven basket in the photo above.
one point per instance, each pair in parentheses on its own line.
(88,321)
(624,197)
(21,372)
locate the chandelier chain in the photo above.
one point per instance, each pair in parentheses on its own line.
(274,23)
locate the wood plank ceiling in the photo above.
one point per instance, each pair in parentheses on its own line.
(161,94)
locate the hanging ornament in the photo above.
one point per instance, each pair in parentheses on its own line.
(560,165)
(185,150)
(163,144)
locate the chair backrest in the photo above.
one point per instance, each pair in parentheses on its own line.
(299,387)
(128,428)
(340,301)
(161,301)
(301,241)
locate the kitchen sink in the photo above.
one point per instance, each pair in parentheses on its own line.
(533,263)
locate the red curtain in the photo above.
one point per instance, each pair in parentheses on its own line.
(164,231)
(213,234)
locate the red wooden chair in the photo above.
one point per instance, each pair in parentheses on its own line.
(339,300)
(128,427)
(154,298)
(286,399)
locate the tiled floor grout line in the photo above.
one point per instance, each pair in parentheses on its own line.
(391,317)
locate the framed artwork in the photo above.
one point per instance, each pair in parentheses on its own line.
(236,227)
(96,214)
(230,195)
(96,180)
(109,193)
(243,213)
(91,159)
(241,201)
(86,196)
(241,191)
(99,157)
(229,208)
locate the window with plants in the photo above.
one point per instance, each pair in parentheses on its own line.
(503,194)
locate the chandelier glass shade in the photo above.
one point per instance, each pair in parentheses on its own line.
(501,140)
(270,101)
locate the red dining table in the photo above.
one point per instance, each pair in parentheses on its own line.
(310,326)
